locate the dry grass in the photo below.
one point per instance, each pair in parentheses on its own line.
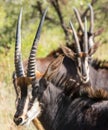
(7,109)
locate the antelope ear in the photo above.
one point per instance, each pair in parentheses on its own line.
(94,48)
(98,32)
(68,52)
(53,68)
(38,74)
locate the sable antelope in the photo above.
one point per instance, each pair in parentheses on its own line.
(98,74)
(22,79)
(85,70)
(29,89)
(83,54)
(56,109)
(60,112)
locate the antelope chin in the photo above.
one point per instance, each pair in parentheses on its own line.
(85,79)
(24,123)
(28,120)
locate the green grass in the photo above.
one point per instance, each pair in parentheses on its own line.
(102,52)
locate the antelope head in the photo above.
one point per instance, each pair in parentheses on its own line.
(27,106)
(81,55)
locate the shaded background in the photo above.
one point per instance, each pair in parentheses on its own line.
(53,34)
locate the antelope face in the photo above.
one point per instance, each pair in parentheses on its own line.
(81,62)
(82,67)
(27,104)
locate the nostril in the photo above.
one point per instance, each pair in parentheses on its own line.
(84,75)
(18,120)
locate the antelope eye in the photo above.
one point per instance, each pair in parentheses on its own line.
(35,89)
(79,68)
(36,85)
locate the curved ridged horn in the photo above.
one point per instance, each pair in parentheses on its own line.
(18,59)
(78,18)
(85,37)
(32,57)
(91,19)
(78,49)
(91,42)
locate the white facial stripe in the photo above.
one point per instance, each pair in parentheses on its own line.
(29,91)
(83,78)
(18,89)
(25,112)
(33,112)
(26,106)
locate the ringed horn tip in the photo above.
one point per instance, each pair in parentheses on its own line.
(18,58)
(78,18)
(32,57)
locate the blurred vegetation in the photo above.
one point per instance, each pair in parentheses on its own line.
(52,36)
(9,10)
